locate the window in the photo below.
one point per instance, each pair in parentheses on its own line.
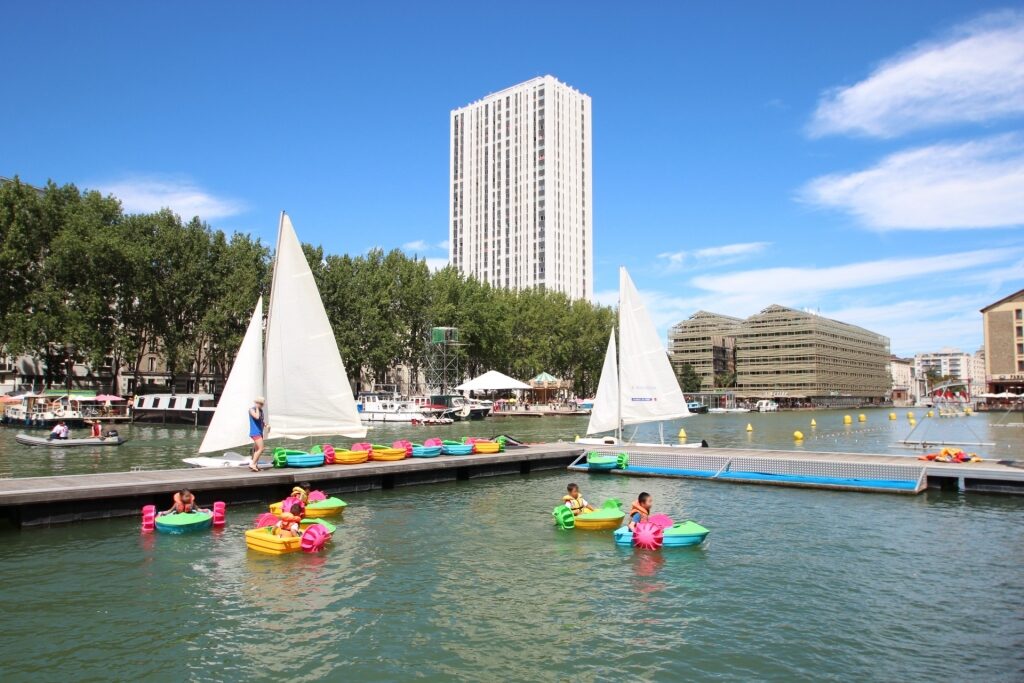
(170,403)
(188,403)
(152,364)
(1019,314)
(156,402)
(1020,331)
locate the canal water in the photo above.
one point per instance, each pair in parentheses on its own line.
(471,581)
(163,447)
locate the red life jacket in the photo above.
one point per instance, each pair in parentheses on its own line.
(181,506)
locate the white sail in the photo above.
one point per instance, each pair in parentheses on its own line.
(604,416)
(650,391)
(230,425)
(308,392)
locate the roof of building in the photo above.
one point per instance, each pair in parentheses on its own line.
(1016,296)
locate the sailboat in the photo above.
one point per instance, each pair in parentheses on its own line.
(637,384)
(299,369)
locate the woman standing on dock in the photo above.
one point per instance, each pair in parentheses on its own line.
(258,427)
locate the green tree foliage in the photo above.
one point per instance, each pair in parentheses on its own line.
(79,271)
(689,380)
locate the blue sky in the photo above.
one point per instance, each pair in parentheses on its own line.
(865,160)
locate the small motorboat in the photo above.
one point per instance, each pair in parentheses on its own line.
(387,453)
(317,508)
(284,457)
(353,457)
(456,448)
(679,535)
(608,516)
(183,522)
(264,540)
(598,462)
(419,451)
(28,440)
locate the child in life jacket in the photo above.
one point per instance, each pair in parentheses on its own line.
(575,501)
(184,502)
(288,526)
(640,510)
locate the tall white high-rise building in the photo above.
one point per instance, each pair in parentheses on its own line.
(521,200)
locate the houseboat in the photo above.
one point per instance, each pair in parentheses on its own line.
(193,409)
(46,409)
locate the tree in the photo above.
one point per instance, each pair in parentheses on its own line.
(725,380)
(689,380)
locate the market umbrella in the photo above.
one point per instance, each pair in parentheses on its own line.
(108,397)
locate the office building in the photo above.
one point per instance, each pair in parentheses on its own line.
(1003,324)
(521,199)
(707,343)
(791,356)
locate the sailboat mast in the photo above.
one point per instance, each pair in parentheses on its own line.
(618,365)
(270,305)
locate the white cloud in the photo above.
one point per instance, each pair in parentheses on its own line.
(977,184)
(436,264)
(785,285)
(708,256)
(416,245)
(974,74)
(444,245)
(145,194)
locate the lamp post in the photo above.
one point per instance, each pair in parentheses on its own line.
(69,360)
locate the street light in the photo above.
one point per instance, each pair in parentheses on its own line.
(69,360)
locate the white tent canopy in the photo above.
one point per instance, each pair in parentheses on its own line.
(492,380)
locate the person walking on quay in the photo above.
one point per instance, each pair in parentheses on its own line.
(258,428)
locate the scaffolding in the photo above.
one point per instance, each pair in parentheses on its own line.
(443,360)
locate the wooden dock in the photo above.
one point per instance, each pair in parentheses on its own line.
(31,501)
(34,501)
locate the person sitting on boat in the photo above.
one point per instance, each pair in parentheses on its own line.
(640,510)
(575,501)
(184,501)
(258,427)
(288,525)
(96,430)
(59,431)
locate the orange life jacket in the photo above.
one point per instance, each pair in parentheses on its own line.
(636,508)
(181,506)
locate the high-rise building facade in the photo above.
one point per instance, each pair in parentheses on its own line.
(521,199)
(707,343)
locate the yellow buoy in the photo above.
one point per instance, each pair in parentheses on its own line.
(931,413)
(862,418)
(750,427)
(682,435)
(967,411)
(892,416)
(813,423)
(910,416)
(847,420)
(798,435)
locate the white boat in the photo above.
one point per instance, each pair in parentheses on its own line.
(637,385)
(382,407)
(766,406)
(724,411)
(299,369)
